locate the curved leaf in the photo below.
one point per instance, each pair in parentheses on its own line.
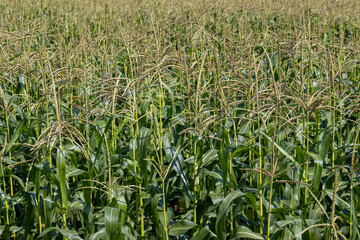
(112,222)
(180,228)
(99,235)
(223,210)
(204,233)
(68,234)
(244,232)
(281,149)
(60,164)
(318,166)
(209,156)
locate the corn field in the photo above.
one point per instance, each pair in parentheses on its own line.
(187,119)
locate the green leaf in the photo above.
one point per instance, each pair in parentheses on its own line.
(204,233)
(99,235)
(339,202)
(177,160)
(279,225)
(5,232)
(300,157)
(6,229)
(47,172)
(318,167)
(47,211)
(205,172)
(60,164)
(325,144)
(108,124)
(68,234)
(223,210)
(181,227)
(29,216)
(141,146)
(18,131)
(19,180)
(112,221)
(154,206)
(281,150)
(209,156)
(244,232)
(355,234)
(144,136)
(72,172)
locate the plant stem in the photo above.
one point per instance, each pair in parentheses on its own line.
(269,211)
(164,209)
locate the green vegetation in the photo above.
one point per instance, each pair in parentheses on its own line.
(179,119)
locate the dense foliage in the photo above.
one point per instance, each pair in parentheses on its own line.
(179,119)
